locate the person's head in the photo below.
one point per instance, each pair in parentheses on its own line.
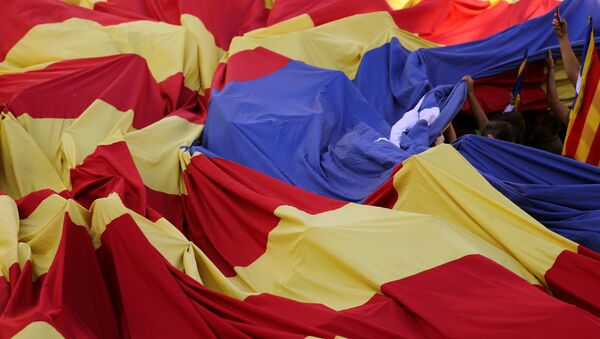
(553,145)
(542,126)
(499,129)
(515,119)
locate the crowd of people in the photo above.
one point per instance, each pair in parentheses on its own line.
(540,129)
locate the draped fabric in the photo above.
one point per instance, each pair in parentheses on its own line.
(265,169)
(559,192)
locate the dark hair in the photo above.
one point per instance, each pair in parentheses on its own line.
(553,145)
(542,126)
(499,129)
(515,119)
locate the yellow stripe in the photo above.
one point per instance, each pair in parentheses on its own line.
(38,329)
(168,49)
(84,3)
(199,53)
(522,66)
(338,258)
(441,182)
(566,91)
(161,164)
(269,3)
(42,230)
(296,24)
(9,229)
(337,45)
(583,81)
(341,258)
(24,168)
(66,142)
(51,147)
(400,4)
(90,129)
(165,238)
(590,128)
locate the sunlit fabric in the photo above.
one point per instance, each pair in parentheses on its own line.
(557,191)
(267,169)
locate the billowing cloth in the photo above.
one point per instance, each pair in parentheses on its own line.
(391,77)
(316,132)
(267,259)
(559,192)
(118,219)
(448,186)
(483,58)
(442,21)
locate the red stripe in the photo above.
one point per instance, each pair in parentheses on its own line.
(322,12)
(471,296)
(263,61)
(226,19)
(594,154)
(474,294)
(110,169)
(21,16)
(169,206)
(223,19)
(144,281)
(452,22)
(61,297)
(229,209)
(179,100)
(29,203)
(493,92)
(65,89)
(574,278)
(386,195)
(161,10)
(445,21)
(589,91)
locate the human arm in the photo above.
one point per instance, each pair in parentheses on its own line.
(478,112)
(449,134)
(568,56)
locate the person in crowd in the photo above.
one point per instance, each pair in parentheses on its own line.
(507,126)
(543,128)
(569,59)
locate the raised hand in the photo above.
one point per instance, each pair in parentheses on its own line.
(469,81)
(560,26)
(550,60)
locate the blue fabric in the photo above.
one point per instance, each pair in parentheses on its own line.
(561,193)
(504,51)
(317,130)
(313,128)
(393,79)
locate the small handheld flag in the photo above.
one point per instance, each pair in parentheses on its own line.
(582,141)
(516,92)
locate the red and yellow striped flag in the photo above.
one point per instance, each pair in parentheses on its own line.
(583,138)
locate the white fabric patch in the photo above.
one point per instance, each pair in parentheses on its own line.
(410,119)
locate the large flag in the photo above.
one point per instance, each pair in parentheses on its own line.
(112,226)
(583,140)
